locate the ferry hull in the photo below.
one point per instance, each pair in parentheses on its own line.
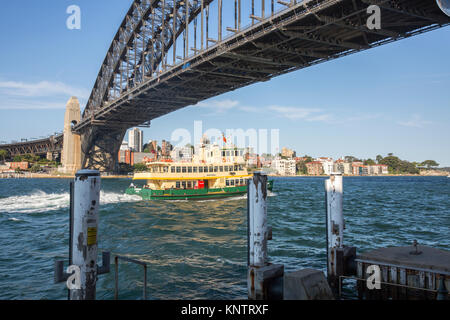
(192,194)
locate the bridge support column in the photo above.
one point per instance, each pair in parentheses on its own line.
(100,148)
(71,153)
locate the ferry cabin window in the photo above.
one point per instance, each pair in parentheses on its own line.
(232,182)
(223,153)
(227,183)
(178,185)
(236,168)
(205,169)
(200,169)
(189,169)
(241,167)
(237,182)
(226,168)
(221,168)
(216,169)
(194,169)
(172,169)
(236,153)
(165,169)
(184,170)
(184,184)
(178,169)
(228,153)
(189,185)
(242,182)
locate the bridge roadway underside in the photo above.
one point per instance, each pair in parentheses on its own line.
(291,40)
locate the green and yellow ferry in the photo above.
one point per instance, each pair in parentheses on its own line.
(167,180)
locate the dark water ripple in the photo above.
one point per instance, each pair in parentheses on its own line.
(198,250)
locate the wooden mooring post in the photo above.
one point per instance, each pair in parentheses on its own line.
(83,270)
(340,258)
(264,280)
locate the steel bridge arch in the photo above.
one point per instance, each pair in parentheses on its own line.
(145,36)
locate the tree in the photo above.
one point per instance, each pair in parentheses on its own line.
(369,162)
(351,159)
(140,167)
(35,168)
(3,154)
(379,158)
(429,164)
(125,168)
(17,159)
(398,166)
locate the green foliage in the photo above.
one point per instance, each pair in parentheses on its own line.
(35,168)
(301,165)
(429,164)
(18,170)
(369,162)
(17,159)
(398,166)
(125,168)
(140,167)
(379,158)
(3,154)
(351,159)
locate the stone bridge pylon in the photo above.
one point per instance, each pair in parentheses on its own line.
(71,152)
(95,148)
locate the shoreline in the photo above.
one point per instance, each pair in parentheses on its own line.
(50,176)
(350,176)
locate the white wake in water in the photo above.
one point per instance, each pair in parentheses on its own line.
(40,201)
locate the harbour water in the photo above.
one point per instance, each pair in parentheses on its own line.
(198,250)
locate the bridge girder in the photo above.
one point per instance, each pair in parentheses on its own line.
(36,147)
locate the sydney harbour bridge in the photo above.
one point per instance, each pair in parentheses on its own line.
(169,54)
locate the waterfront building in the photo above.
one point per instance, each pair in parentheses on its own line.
(288,153)
(360,169)
(285,167)
(126,156)
(378,169)
(182,154)
(124,146)
(343,167)
(327,164)
(23,165)
(315,168)
(166,148)
(135,139)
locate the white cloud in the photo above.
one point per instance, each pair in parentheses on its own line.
(41,89)
(39,95)
(28,105)
(295,113)
(415,121)
(288,112)
(219,106)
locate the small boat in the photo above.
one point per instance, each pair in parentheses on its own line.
(196,181)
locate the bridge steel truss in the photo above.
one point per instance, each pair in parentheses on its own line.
(136,83)
(36,147)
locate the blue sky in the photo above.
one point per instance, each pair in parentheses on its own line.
(394,98)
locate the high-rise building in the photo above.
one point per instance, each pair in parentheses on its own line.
(136,139)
